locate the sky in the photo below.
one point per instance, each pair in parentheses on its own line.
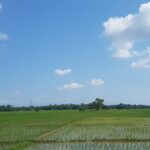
(73,51)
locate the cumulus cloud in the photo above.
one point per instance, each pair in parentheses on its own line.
(143,62)
(63,72)
(125,32)
(3,36)
(96,82)
(69,86)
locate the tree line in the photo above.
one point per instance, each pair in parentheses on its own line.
(97,104)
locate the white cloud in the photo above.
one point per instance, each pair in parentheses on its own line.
(96,82)
(3,36)
(142,62)
(122,53)
(63,72)
(124,32)
(69,86)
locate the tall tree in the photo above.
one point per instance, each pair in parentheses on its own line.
(99,103)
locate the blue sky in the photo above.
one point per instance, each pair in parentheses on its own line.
(72,51)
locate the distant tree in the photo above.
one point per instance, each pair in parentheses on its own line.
(37,109)
(82,107)
(92,105)
(99,103)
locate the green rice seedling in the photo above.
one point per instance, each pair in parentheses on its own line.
(91,146)
(17,134)
(101,133)
(90,130)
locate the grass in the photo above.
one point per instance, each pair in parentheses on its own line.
(27,130)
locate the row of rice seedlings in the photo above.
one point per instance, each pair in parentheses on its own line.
(115,122)
(16,134)
(5,146)
(101,133)
(91,146)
